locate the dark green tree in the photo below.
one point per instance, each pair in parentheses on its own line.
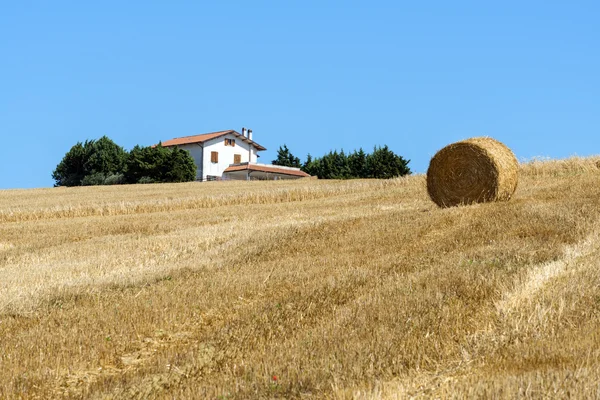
(327,166)
(309,165)
(384,164)
(102,162)
(342,167)
(105,157)
(71,170)
(357,162)
(180,166)
(140,164)
(91,163)
(159,164)
(312,166)
(286,158)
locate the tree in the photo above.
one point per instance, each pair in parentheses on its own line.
(326,169)
(358,164)
(384,164)
(286,158)
(140,164)
(71,170)
(180,166)
(102,162)
(105,157)
(309,165)
(312,166)
(342,168)
(90,163)
(159,164)
(333,165)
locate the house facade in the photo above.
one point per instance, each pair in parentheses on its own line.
(214,152)
(229,155)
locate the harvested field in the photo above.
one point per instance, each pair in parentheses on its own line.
(302,289)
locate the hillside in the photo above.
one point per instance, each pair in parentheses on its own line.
(312,289)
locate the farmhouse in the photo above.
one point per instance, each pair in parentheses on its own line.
(230,155)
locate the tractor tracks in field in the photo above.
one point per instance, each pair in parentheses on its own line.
(518,309)
(524,290)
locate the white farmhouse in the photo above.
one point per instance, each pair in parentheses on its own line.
(230,155)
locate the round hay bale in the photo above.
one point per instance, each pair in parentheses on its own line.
(475,170)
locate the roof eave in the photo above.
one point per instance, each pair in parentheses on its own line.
(250,141)
(221,133)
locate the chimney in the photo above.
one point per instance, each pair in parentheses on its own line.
(250,134)
(243,131)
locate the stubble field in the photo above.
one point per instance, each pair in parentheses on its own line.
(302,289)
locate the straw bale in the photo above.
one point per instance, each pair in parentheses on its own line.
(475,170)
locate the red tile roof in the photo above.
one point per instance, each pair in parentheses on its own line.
(267,168)
(208,136)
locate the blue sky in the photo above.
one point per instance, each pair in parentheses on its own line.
(315,75)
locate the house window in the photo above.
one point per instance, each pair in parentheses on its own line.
(214,156)
(230,142)
(237,158)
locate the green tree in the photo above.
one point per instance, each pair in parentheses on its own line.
(180,166)
(332,165)
(105,157)
(311,166)
(140,164)
(357,162)
(342,167)
(102,162)
(384,164)
(159,164)
(286,158)
(92,162)
(71,170)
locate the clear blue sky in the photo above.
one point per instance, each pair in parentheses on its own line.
(316,75)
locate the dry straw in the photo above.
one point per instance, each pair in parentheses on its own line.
(475,170)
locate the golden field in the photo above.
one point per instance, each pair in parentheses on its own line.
(302,289)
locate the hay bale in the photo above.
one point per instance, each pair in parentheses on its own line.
(475,170)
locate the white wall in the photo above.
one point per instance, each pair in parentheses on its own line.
(200,152)
(195,150)
(226,154)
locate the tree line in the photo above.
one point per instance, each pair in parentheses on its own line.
(103,162)
(382,163)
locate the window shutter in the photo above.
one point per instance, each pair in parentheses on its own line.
(214,156)
(237,158)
